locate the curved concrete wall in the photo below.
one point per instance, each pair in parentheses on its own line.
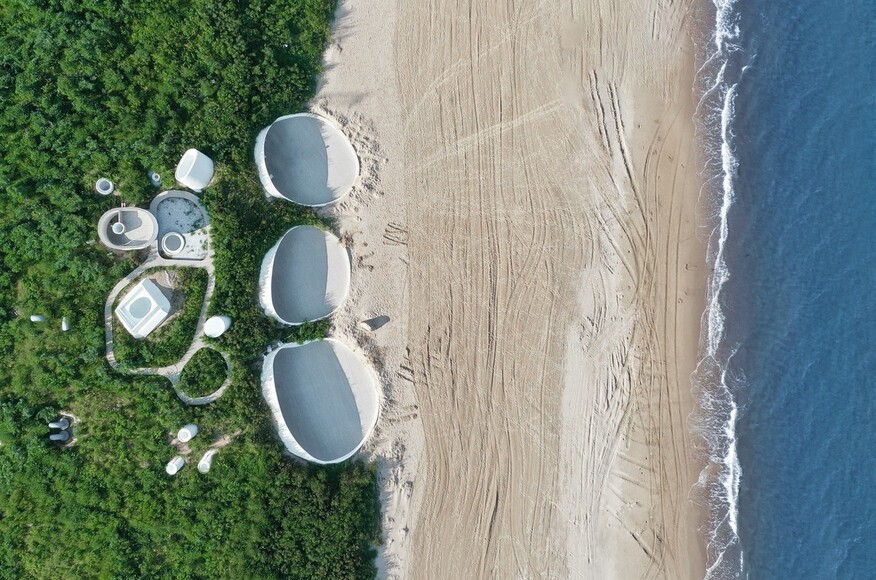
(324,400)
(140,228)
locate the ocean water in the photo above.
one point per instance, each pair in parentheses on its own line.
(789,379)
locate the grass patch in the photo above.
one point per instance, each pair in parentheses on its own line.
(203,374)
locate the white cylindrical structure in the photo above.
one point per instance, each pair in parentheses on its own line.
(187,432)
(118,228)
(104,186)
(174,465)
(207,460)
(37,318)
(195,170)
(216,326)
(65,324)
(155,178)
(173,243)
(61,423)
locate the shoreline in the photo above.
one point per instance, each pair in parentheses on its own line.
(529,195)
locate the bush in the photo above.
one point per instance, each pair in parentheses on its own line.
(103,88)
(203,374)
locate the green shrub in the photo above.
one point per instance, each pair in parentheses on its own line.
(203,374)
(97,88)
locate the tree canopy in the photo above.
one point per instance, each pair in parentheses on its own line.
(117,88)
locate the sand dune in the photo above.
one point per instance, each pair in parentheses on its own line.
(527,220)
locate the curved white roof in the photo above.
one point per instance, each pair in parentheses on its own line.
(323,398)
(305,276)
(304,158)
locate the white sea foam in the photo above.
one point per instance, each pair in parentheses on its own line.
(714,383)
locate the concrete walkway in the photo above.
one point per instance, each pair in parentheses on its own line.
(172,373)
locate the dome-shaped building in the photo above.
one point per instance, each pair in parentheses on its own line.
(324,400)
(305,159)
(305,276)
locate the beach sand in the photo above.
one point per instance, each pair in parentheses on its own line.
(527,220)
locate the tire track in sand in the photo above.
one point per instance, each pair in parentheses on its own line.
(543,269)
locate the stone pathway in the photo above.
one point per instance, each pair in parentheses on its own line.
(172,372)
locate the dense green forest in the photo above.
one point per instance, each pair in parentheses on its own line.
(117,88)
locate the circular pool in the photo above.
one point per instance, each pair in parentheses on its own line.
(173,243)
(140,307)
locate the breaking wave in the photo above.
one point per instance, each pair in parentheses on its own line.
(714,382)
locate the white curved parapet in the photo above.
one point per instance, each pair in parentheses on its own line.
(194,170)
(324,400)
(127,228)
(305,276)
(306,159)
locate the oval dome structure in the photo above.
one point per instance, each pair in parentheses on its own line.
(304,158)
(323,398)
(305,276)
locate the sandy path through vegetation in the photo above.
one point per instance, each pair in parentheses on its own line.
(529,224)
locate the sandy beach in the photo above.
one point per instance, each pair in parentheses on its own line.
(527,219)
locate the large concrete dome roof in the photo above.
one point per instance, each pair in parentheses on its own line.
(305,276)
(304,158)
(323,398)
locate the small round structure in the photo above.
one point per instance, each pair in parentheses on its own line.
(306,159)
(104,186)
(174,465)
(216,326)
(173,243)
(187,432)
(127,228)
(207,460)
(195,170)
(155,178)
(324,400)
(305,277)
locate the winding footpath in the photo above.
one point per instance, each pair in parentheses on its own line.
(172,372)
